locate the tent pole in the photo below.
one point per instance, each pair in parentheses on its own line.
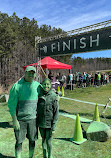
(47,72)
(71,78)
(37,57)
(43,71)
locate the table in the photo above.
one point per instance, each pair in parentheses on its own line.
(55,85)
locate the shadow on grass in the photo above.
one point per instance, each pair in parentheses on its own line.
(80,114)
(107,117)
(5,125)
(63,111)
(65,139)
(68,140)
(3,156)
(83,114)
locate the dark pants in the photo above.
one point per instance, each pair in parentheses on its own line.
(27,129)
(46,134)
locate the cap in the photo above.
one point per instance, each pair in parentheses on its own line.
(30,68)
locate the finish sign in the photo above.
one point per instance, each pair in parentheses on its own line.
(89,41)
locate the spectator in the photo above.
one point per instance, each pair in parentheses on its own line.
(77,79)
(50,76)
(84,79)
(95,79)
(92,79)
(98,79)
(102,79)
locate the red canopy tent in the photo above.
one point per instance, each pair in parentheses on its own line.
(50,64)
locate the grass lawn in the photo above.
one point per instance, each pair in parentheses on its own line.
(62,147)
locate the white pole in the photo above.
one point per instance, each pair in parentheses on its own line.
(71,78)
(37,57)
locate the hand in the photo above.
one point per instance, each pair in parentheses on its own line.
(16,125)
(53,132)
(58,98)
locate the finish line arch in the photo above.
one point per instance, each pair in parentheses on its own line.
(87,39)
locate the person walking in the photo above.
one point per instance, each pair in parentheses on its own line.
(47,116)
(22,105)
(84,79)
(98,79)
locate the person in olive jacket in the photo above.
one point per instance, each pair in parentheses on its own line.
(47,116)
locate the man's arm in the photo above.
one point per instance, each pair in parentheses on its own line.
(12,104)
(39,90)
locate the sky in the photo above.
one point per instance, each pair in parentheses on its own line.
(65,14)
(99,54)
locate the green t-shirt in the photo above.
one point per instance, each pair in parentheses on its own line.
(23,99)
(99,77)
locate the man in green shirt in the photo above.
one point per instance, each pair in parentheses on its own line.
(22,105)
(99,79)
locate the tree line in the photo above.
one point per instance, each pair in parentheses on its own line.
(91,64)
(13,29)
(79,64)
(17,42)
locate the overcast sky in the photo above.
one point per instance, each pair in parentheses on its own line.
(66,14)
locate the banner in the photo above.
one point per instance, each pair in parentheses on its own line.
(85,42)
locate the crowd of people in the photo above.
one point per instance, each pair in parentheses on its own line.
(80,79)
(85,79)
(57,78)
